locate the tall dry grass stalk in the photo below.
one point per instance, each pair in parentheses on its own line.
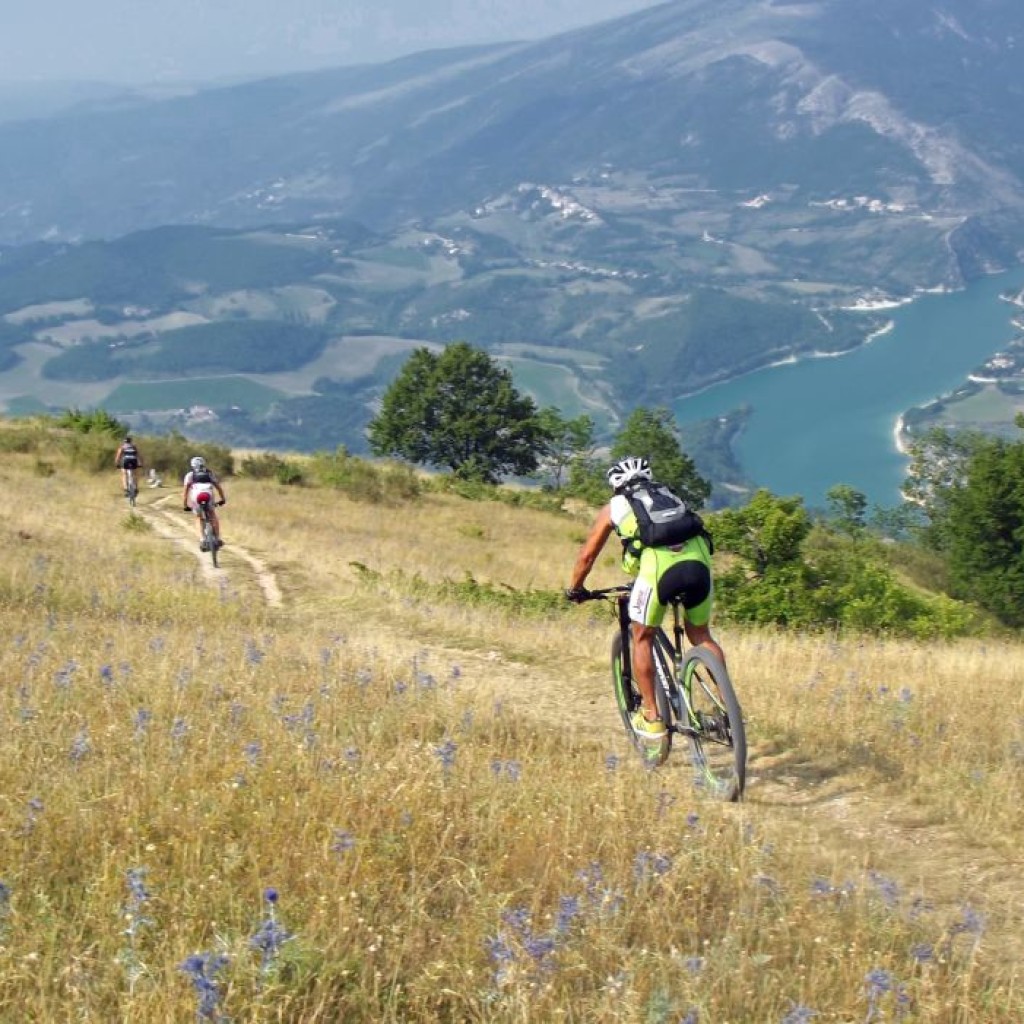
(381,802)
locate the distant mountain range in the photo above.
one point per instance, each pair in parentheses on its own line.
(642,207)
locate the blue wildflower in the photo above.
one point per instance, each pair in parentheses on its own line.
(445,753)
(648,865)
(202,969)
(887,888)
(80,746)
(271,934)
(343,841)
(799,1015)
(568,911)
(141,721)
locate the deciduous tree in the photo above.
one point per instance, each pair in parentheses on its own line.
(458,409)
(653,433)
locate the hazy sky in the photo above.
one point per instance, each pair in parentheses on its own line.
(186,40)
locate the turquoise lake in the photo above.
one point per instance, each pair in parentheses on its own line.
(819,422)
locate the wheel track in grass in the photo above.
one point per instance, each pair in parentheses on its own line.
(177,527)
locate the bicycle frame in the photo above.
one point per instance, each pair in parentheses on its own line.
(672,686)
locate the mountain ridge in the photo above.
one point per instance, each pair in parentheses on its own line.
(684,193)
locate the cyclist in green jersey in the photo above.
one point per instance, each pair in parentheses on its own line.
(662,574)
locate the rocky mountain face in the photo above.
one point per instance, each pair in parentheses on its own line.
(909,104)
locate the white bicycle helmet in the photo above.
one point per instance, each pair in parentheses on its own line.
(197,463)
(627,470)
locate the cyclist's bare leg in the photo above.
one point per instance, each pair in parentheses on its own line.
(700,636)
(643,667)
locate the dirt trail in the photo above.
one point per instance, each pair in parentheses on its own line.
(165,516)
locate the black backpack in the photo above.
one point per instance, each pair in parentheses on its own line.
(663,519)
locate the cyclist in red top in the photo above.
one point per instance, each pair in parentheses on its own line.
(200,480)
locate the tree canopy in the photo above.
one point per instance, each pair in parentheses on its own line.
(653,433)
(458,409)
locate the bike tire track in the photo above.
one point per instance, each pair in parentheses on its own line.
(168,525)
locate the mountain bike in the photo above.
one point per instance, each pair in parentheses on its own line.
(696,701)
(210,542)
(131,490)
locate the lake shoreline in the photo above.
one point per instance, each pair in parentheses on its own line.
(815,421)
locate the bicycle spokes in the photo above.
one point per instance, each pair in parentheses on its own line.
(716,737)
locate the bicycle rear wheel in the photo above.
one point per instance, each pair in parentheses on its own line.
(209,538)
(133,488)
(627,698)
(717,738)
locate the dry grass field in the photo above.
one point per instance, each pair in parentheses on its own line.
(362,772)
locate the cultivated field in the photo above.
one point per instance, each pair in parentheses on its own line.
(368,772)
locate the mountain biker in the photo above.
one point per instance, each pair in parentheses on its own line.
(197,481)
(662,574)
(127,457)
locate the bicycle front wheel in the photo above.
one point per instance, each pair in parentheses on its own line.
(210,540)
(628,701)
(718,741)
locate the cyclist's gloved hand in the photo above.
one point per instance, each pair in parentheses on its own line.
(185,508)
(577,594)
(223,501)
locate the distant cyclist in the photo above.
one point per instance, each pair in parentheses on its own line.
(200,479)
(662,574)
(127,457)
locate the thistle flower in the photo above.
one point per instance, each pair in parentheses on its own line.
(253,655)
(270,936)
(80,746)
(343,841)
(445,753)
(202,969)
(136,919)
(142,718)
(799,1015)
(648,865)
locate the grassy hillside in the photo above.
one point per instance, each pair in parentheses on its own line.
(371,770)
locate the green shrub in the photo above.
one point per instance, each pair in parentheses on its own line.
(365,481)
(169,455)
(21,440)
(477,490)
(95,421)
(91,451)
(135,523)
(268,466)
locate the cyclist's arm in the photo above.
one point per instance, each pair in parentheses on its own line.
(117,459)
(592,546)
